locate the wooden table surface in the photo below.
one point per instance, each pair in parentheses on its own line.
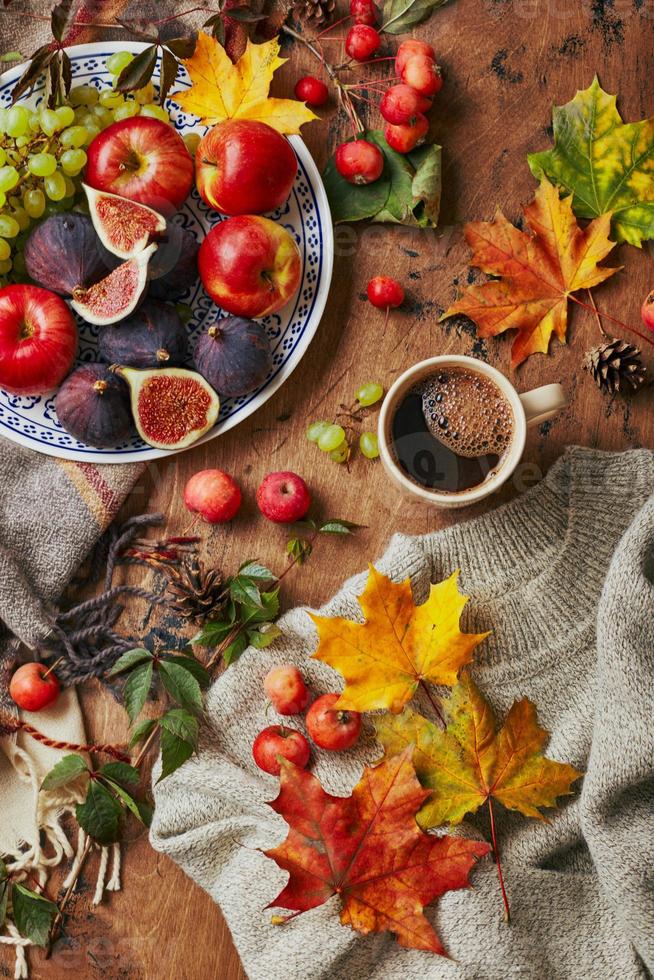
(506,64)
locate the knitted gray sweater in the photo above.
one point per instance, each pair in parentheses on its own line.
(563,577)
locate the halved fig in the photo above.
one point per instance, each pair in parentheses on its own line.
(172,407)
(117,295)
(124,227)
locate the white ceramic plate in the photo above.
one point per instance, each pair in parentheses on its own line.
(32,420)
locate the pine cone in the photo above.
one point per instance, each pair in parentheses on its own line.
(616,366)
(198,592)
(313,11)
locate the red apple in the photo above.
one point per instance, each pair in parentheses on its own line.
(34,687)
(249,265)
(278,740)
(332,728)
(244,167)
(144,159)
(38,340)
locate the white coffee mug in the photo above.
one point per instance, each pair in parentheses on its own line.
(531,408)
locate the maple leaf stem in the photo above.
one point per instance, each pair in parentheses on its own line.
(496,854)
(598,313)
(437,710)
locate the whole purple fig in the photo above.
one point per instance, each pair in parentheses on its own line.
(93,406)
(234,356)
(153,336)
(174,266)
(64,252)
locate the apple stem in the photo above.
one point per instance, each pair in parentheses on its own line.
(496,854)
(50,669)
(598,313)
(331,27)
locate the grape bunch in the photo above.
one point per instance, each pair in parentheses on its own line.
(43,155)
(332,438)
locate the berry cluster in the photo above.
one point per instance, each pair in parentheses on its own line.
(334,438)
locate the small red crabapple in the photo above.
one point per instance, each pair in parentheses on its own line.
(311,90)
(214,495)
(401,104)
(647,311)
(385,293)
(422,74)
(364,12)
(285,687)
(403,139)
(361,42)
(359,161)
(408,48)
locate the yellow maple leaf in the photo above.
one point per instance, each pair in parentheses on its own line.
(223,90)
(399,646)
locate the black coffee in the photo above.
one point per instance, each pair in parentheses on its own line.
(451,430)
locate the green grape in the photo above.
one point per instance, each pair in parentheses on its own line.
(315,430)
(3,199)
(74,136)
(17,121)
(34,122)
(157,111)
(34,202)
(65,114)
(84,95)
(92,131)
(5,250)
(9,227)
(145,94)
(71,189)
(192,141)
(42,164)
(331,438)
(19,214)
(3,120)
(341,453)
(49,121)
(118,61)
(55,186)
(20,267)
(103,117)
(369,445)
(110,99)
(5,266)
(3,156)
(72,162)
(126,111)
(8,178)
(369,393)
(22,141)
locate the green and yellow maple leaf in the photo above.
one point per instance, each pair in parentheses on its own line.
(605,163)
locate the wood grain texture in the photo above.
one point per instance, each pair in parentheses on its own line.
(506,64)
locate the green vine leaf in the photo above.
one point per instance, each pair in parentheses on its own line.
(99,815)
(33,914)
(235,649)
(137,689)
(299,550)
(605,163)
(67,770)
(142,730)
(213,633)
(399,16)
(193,666)
(121,772)
(129,660)
(408,191)
(264,636)
(62,18)
(181,685)
(179,739)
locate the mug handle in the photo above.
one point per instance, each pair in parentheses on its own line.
(543,403)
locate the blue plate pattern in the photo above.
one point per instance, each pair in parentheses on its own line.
(32,420)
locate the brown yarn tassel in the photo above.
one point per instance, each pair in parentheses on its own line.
(9,725)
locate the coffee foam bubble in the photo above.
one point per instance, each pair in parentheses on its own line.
(467,412)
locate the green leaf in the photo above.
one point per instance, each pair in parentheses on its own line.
(245,591)
(4,892)
(212,634)
(174,753)
(63,16)
(408,191)
(399,16)
(139,71)
(182,724)
(337,526)
(129,660)
(121,772)
(33,914)
(65,771)
(258,572)
(299,550)
(100,814)
(193,666)
(137,689)
(264,636)
(179,739)
(606,164)
(269,609)
(181,685)
(235,649)
(142,730)
(142,811)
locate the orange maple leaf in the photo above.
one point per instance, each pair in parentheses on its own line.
(399,646)
(470,763)
(539,271)
(368,849)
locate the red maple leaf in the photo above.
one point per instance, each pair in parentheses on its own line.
(368,849)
